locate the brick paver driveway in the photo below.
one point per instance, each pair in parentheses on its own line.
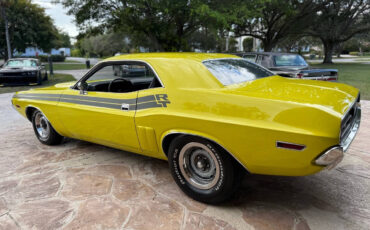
(79,185)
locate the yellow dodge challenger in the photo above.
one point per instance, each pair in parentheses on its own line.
(211,115)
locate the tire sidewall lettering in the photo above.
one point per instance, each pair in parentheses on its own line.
(181,178)
(175,163)
(218,158)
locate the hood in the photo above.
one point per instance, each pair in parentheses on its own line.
(329,96)
(17,69)
(57,87)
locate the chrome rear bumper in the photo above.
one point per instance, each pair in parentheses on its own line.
(334,155)
(345,143)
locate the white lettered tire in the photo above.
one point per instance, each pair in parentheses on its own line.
(203,170)
(44,132)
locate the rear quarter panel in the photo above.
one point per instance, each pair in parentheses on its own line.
(246,127)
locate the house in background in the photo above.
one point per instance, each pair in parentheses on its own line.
(32,52)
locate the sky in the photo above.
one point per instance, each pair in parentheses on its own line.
(59,14)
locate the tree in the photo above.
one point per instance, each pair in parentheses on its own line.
(104,45)
(3,5)
(273,20)
(248,44)
(167,24)
(28,26)
(232,45)
(63,40)
(339,21)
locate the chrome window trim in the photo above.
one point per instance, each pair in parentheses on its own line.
(283,142)
(195,135)
(96,67)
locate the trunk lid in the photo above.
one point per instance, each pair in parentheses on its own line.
(327,95)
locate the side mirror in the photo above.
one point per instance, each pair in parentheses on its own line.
(82,86)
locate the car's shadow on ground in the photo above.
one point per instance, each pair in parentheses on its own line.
(265,198)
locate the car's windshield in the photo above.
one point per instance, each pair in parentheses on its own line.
(20,63)
(234,71)
(289,60)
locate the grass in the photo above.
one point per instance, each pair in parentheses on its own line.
(57,78)
(355,74)
(65,66)
(71,61)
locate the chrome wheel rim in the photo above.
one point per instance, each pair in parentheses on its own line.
(42,126)
(199,165)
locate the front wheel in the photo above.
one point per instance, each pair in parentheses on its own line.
(45,133)
(203,170)
(39,78)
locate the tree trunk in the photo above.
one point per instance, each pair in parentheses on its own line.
(339,50)
(328,52)
(6,32)
(268,45)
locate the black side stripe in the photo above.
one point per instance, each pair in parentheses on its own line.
(40,98)
(151,101)
(100,99)
(89,98)
(148,105)
(91,103)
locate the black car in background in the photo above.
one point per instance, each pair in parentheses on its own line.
(289,65)
(22,71)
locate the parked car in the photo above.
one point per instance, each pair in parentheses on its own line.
(290,65)
(22,71)
(212,116)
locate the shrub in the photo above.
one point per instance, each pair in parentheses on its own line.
(312,56)
(54,58)
(76,53)
(353,53)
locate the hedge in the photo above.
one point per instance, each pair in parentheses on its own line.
(54,58)
(44,58)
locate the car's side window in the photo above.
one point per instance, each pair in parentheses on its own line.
(122,78)
(264,61)
(250,57)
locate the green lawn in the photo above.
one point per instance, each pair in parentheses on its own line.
(63,66)
(71,61)
(355,74)
(57,78)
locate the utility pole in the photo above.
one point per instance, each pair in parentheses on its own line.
(6,30)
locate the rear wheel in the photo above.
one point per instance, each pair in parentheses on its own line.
(45,133)
(203,170)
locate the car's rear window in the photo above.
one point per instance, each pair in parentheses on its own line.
(289,60)
(235,70)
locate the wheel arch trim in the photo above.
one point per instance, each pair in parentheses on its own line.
(201,135)
(37,108)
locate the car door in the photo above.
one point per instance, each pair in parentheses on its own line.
(98,115)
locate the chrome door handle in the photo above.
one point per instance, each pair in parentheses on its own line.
(125,107)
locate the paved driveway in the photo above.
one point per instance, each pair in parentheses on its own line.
(79,185)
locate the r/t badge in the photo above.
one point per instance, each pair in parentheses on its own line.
(162,99)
